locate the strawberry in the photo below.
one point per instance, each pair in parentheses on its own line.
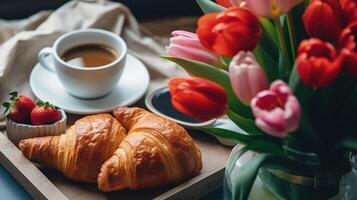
(16,116)
(45,113)
(19,108)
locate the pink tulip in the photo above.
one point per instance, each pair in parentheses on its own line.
(247,77)
(277,111)
(268,8)
(186,45)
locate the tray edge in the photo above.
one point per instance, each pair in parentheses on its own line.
(194,188)
(27,174)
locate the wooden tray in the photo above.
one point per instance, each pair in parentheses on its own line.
(42,183)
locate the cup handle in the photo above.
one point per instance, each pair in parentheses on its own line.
(42,58)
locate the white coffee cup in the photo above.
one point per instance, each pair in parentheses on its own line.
(86,82)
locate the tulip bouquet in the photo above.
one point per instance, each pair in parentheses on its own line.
(285,71)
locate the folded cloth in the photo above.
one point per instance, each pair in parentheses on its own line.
(21,40)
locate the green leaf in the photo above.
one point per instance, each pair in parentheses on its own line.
(222,63)
(269,40)
(269,30)
(14,93)
(248,125)
(284,59)
(291,34)
(221,77)
(305,134)
(258,143)
(208,6)
(13,96)
(267,51)
(296,13)
(267,63)
(227,59)
(39,102)
(301,91)
(294,79)
(347,143)
(346,105)
(7,106)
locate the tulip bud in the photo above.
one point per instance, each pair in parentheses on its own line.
(349,10)
(268,8)
(322,19)
(348,46)
(186,45)
(198,98)
(229,32)
(224,3)
(349,62)
(277,111)
(247,77)
(317,63)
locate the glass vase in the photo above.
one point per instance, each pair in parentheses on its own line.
(277,184)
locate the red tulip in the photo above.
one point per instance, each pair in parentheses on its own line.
(350,63)
(318,64)
(347,39)
(349,9)
(348,46)
(198,98)
(322,19)
(229,32)
(224,3)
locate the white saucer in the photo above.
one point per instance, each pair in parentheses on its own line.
(131,87)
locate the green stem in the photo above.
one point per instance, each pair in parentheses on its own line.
(284,57)
(221,63)
(292,34)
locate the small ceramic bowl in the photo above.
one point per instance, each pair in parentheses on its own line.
(17,132)
(159,102)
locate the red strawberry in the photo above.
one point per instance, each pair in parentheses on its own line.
(19,108)
(25,104)
(45,113)
(16,116)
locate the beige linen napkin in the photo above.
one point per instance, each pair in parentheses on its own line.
(21,40)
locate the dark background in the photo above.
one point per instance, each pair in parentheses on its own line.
(17,9)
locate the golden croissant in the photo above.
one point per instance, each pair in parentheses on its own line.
(139,150)
(81,151)
(155,152)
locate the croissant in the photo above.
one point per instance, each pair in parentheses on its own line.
(155,152)
(80,152)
